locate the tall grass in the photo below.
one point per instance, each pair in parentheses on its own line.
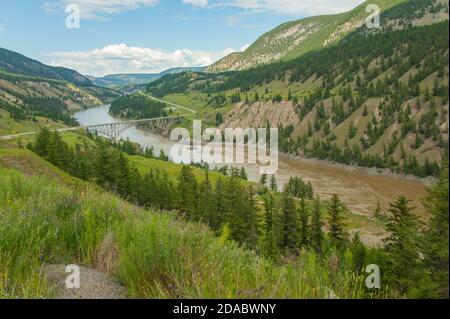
(153,254)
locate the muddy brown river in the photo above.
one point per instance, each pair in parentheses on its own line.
(358,188)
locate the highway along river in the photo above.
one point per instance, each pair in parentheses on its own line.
(358,188)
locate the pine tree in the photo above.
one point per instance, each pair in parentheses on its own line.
(270,241)
(402,246)
(337,233)
(124,180)
(240,212)
(104,168)
(273,184)
(188,193)
(243,173)
(352,130)
(40,146)
(358,251)
(290,230)
(436,239)
(310,131)
(263,179)
(135,191)
(317,236)
(378,213)
(304,224)
(206,201)
(250,217)
(218,218)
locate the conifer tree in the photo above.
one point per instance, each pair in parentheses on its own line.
(206,201)
(378,213)
(134,191)
(402,246)
(304,224)
(337,233)
(240,212)
(290,230)
(273,184)
(40,145)
(243,173)
(123,180)
(317,235)
(188,192)
(263,179)
(436,239)
(358,251)
(270,241)
(218,218)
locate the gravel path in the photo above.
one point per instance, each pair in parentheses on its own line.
(93,284)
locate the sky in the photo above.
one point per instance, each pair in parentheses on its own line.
(145,36)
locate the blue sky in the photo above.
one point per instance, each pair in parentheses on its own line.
(145,36)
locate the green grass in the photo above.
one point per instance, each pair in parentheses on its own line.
(10,126)
(157,255)
(198,102)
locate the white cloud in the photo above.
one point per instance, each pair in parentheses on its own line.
(245,47)
(292,7)
(92,9)
(196,3)
(120,58)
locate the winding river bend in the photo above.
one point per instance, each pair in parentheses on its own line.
(359,189)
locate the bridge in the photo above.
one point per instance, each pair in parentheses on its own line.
(114,130)
(111,130)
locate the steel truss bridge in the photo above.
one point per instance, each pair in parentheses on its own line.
(114,130)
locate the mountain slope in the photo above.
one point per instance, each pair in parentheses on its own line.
(119,80)
(16,63)
(293,39)
(30,89)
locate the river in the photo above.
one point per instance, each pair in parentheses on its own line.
(358,188)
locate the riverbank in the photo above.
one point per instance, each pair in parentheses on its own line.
(370,171)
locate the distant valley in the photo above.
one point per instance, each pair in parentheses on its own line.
(124,80)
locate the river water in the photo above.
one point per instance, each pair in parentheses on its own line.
(359,189)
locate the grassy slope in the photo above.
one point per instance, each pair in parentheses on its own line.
(155,255)
(9,126)
(10,155)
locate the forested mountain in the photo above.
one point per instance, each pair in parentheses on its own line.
(29,88)
(120,80)
(293,39)
(13,62)
(376,99)
(137,107)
